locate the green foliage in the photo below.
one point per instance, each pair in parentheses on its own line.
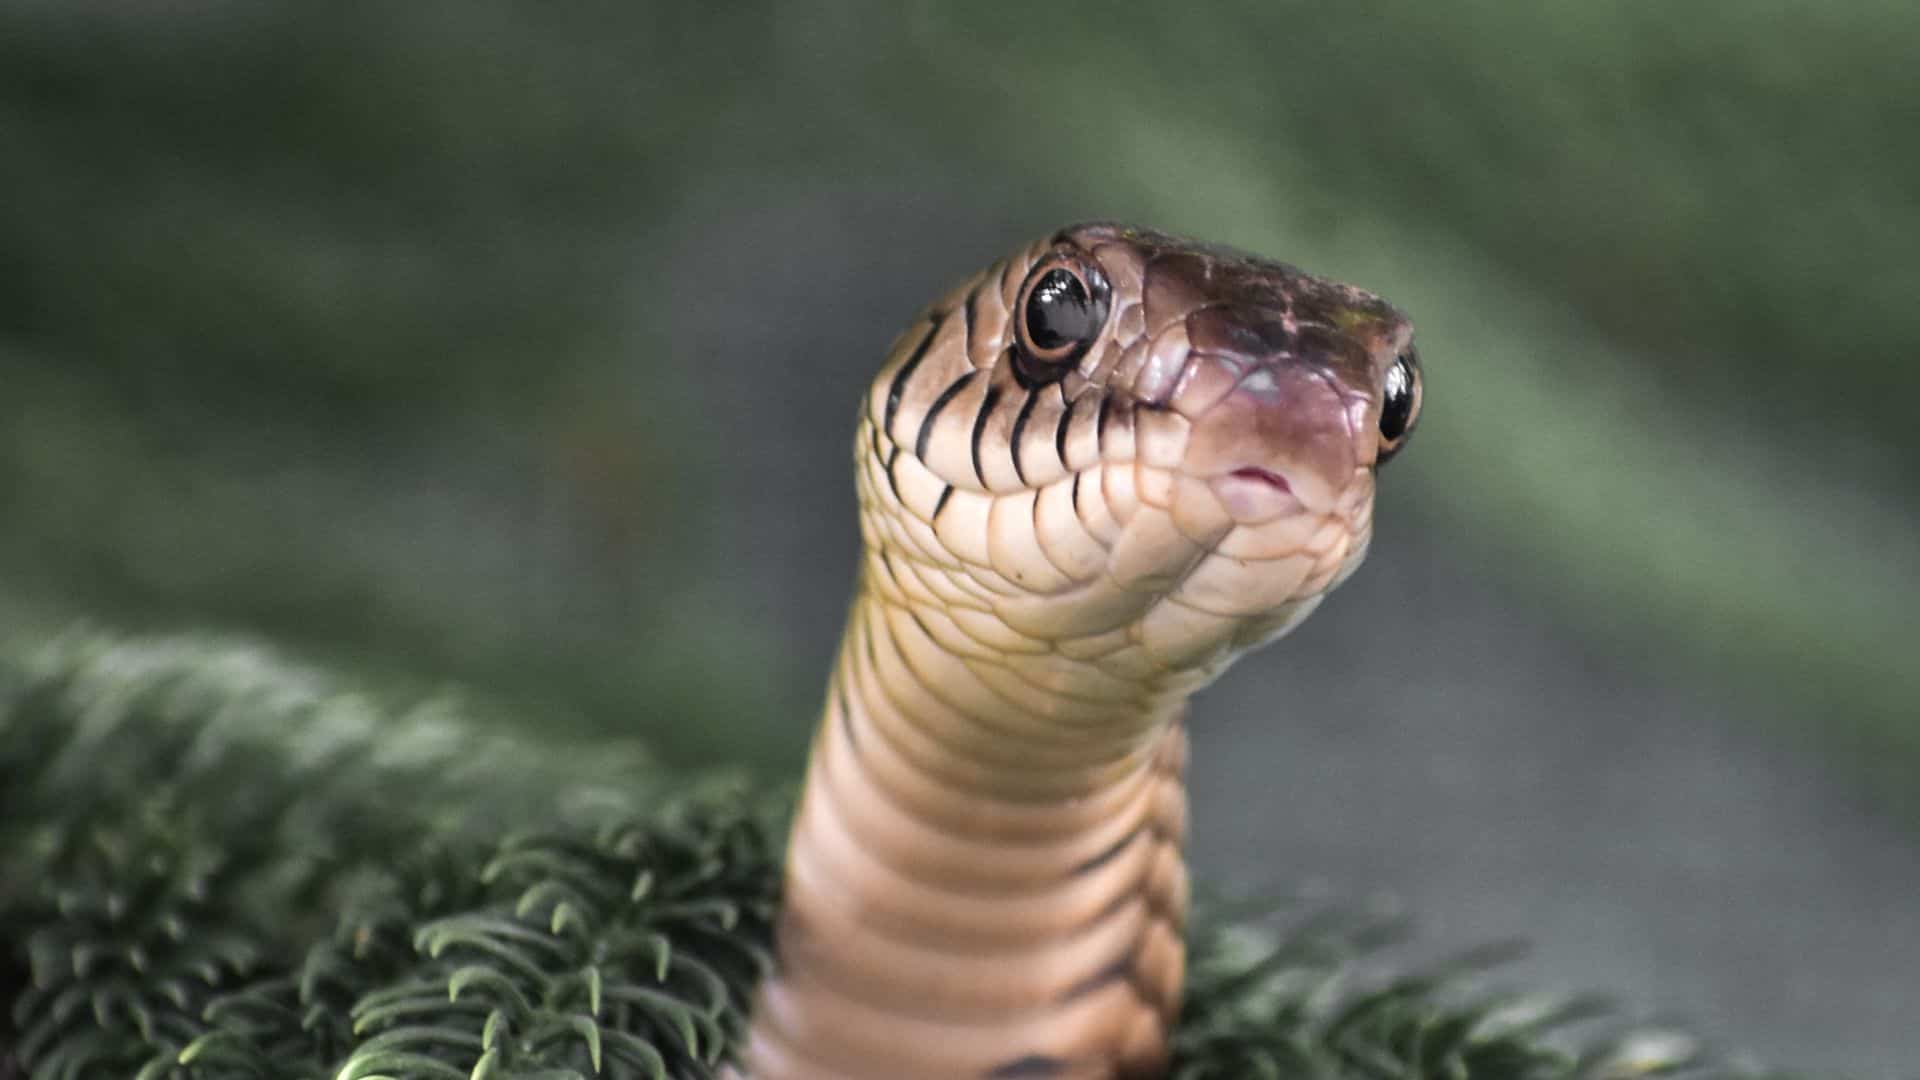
(229,866)
(217,864)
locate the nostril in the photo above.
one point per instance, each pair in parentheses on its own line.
(1265,476)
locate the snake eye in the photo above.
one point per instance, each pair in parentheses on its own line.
(1063,307)
(1399,404)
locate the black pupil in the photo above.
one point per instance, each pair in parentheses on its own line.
(1396,406)
(1059,312)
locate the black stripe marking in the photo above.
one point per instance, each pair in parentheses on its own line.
(906,372)
(1060,433)
(892,481)
(1019,427)
(945,494)
(1119,969)
(1076,493)
(925,437)
(1112,852)
(980,428)
(967,329)
(1031,1067)
(1100,424)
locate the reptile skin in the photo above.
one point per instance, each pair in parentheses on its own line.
(1075,514)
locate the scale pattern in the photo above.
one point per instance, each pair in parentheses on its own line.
(985,876)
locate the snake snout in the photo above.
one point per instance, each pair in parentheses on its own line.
(1286,436)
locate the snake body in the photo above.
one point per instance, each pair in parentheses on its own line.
(1089,478)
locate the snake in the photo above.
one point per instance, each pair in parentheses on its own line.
(1089,478)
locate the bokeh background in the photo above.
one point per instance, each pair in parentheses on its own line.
(514,347)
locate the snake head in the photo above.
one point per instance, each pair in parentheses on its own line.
(1132,453)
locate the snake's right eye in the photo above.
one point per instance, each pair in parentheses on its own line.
(1062,309)
(1399,404)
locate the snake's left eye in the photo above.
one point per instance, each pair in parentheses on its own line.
(1399,404)
(1062,309)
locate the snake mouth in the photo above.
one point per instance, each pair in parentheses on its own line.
(1253,495)
(1264,476)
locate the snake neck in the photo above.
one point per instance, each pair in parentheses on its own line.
(981,881)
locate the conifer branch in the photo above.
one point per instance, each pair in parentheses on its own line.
(216,864)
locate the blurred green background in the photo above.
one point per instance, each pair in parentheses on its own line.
(515,346)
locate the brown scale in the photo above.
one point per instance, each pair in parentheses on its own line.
(1089,479)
